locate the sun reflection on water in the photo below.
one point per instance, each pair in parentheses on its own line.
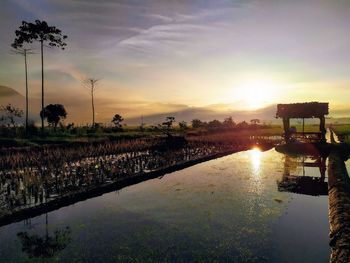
(255,156)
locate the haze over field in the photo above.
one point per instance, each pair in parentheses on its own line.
(192,59)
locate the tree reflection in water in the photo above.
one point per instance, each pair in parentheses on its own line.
(36,246)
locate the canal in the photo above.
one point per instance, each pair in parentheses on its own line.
(246,207)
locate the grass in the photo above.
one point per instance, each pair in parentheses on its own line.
(100,135)
(343,130)
(65,138)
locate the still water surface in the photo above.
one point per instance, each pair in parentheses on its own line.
(225,210)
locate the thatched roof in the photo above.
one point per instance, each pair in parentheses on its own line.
(302,110)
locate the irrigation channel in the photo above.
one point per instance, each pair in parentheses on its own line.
(249,206)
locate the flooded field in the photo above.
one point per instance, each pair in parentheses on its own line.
(246,207)
(28,181)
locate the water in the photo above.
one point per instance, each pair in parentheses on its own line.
(225,210)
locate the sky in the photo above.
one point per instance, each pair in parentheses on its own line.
(157,56)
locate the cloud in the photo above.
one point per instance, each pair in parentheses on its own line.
(178,52)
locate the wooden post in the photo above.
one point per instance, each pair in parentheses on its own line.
(322,166)
(323,128)
(286,127)
(303,127)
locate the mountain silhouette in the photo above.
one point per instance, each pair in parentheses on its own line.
(209,113)
(8,92)
(10,95)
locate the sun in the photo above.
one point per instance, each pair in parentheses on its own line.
(257,93)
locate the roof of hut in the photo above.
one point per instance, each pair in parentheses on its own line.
(302,110)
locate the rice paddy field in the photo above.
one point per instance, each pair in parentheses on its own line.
(252,205)
(231,209)
(32,176)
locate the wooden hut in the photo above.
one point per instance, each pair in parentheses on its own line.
(303,111)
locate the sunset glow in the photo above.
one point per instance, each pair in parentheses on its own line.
(184,57)
(257,93)
(174,131)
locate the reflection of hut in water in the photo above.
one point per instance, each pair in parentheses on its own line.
(303,111)
(304,184)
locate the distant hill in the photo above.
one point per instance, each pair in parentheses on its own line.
(79,111)
(208,113)
(9,95)
(8,92)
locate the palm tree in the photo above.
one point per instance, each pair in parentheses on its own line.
(42,32)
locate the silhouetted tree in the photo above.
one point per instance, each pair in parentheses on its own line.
(242,125)
(24,52)
(214,125)
(70,126)
(90,84)
(10,114)
(167,125)
(54,113)
(254,121)
(196,123)
(42,32)
(228,123)
(142,125)
(183,125)
(117,120)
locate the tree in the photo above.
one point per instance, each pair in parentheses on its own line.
(10,114)
(167,125)
(24,52)
(42,32)
(117,120)
(183,125)
(242,125)
(196,123)
(254,121)
(229,123)
(90,84)
(142,125)
(54,113)
(214,125)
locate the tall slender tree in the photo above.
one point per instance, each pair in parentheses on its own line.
(39,31)
(24,52)
(90,84)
